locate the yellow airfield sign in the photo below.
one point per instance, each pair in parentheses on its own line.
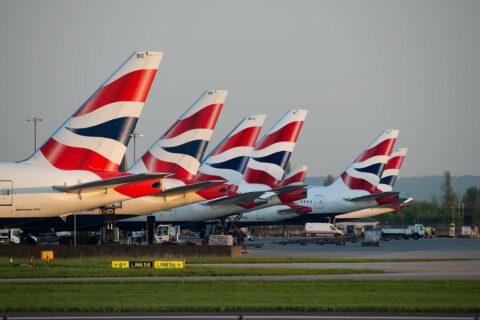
(169,264)
(120,264)
(157,264)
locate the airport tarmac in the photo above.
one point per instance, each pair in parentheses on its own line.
(433,248)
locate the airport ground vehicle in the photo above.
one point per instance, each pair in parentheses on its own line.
(469,232)
(321,229)
(16,236)
(371,238)
(10,236)
(451,231)
(414,231)
(166,233)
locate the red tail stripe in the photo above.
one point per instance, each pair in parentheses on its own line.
(357,184)
(288,133)
(298,177)
(203,119)
(245,138)
(133,86)
(395,162)
(71,158)
(384,148)
(258,176)
(155,165)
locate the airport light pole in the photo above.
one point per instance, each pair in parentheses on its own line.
(135,135)
(74,229)
(35,120)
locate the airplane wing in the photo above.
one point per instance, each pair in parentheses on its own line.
(374,196)
(190,188)
(109,183)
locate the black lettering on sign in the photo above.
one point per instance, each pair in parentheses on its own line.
(141,264)
(140,55)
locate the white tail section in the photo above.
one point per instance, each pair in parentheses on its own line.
(96,136)
(180,150)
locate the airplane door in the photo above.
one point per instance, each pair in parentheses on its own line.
(6,192)
(318,202)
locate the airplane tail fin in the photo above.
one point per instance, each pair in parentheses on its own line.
(230,157)
(96,136)
(297,175)
(364,173)
(392,169)
(181,148)
(271,155)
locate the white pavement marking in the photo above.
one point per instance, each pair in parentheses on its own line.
(249,317)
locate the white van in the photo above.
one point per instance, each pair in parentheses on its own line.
(321,229)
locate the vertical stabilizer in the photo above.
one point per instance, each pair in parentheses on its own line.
(296,175)
(229,159)
(271,155)
(96,136)
(364,173)
(392,169)
(180,150)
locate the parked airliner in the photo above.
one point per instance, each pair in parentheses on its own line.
(356,189)
(77,167)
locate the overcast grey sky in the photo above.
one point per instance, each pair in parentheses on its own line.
(358,66)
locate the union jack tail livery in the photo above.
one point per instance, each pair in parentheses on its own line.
(229,159)
(96,136)
(271,155)
(297,175)
(181,148)
(364,173)
(392,169)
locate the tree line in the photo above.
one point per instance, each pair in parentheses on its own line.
(464,210)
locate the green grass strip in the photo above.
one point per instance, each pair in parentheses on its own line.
(95,261)
(391,296)
(66,270)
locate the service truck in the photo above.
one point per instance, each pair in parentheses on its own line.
(13,236)
(166,233)
(415,231)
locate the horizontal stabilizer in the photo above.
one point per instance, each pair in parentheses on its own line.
(259,197)
(400,203)
(190,188)
(109,183)
(289,188)
(240,199)
(373,197)
(294,208)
